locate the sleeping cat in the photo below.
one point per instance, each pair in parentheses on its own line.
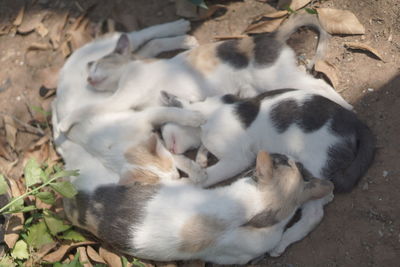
(329,140)
(243,67)
(174,220)
(75,92)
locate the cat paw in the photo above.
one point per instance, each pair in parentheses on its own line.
(202,160)
(193,119)
(189,42)
(276,252)
(178,27)
(328,199)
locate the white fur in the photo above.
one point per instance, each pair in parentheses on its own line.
(236,148)
(73,92)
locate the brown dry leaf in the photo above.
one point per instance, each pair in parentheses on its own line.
(38,46)
(207,13)
(166,264)
(112,259)
(4,149)
(49,76)
(16,221)
(336,21)
(65,50)
(297,4)
(20,16)
(364,47)
(41,30)
(38,150)
(83,257)
(58,254)
(264,26)
(329,70)
(79,34)
(31,22)
(275,15)
(228,37)
(57,30)
(7,166)
(11,130)
(94,255)
(5,29)
(45,249)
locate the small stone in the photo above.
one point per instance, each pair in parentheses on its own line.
(380,233)
(365,186)
(385,173)
(370,89)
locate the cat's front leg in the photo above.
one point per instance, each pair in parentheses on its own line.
(195,172)
(311,214)
(160,115)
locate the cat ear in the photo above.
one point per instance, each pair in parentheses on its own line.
(316,188)
(170,100)
(123,46)
(263,166)
(152,144)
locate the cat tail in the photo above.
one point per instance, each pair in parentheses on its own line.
(345,181)
(304,19)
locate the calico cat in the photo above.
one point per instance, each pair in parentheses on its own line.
(243,67)
(175,220)
(75,92)
(329,140)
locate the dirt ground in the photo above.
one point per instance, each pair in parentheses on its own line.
(359,229)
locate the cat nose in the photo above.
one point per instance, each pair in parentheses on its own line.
(90,64)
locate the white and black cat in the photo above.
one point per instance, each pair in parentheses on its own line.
(329,140)
(243,67)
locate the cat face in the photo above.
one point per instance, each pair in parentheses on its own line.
(281,178)
(179,139)
(104,73)
(152,163)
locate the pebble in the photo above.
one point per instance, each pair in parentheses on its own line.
(385,173)
(365,186)
(370,89)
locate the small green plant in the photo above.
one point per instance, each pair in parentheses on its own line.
(199,3)
(42,226)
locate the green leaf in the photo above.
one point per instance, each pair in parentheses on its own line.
(55,224)
(20,250)
(46,197)
(3,185)
(64,173)
(72,235)
(17,205)
(38,235)
(74,263)
(65,188)
(6,261)
(32,173)
(41,110)
(124,261)
(289,9)
(137,262)
(199,3)
(311,10)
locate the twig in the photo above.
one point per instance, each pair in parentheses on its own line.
(26,125)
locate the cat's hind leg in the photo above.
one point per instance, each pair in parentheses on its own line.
(175,28)
(202,156)
(157,46)
(311,214)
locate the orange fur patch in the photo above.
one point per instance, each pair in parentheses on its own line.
(200,232)
(139,175)
(204,58)
(141,156)
(246,46)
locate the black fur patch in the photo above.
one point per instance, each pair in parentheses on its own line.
(309,116)
(263,219)
(228,52)
(266,49)
(81,204)
(121,208)
(247,109)
(229,99)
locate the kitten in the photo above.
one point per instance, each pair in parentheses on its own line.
(175,220)
(74,92)
(329,140)
(243,67)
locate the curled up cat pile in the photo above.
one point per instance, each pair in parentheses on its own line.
(126,119)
